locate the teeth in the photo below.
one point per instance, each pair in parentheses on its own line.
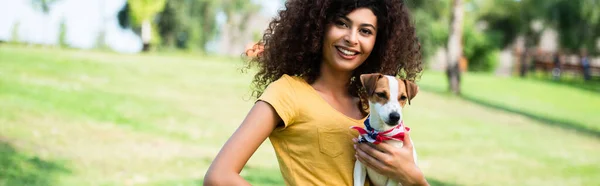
(346,52)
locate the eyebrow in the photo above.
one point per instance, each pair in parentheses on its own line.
(362,25)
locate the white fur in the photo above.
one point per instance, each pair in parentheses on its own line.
(379,115)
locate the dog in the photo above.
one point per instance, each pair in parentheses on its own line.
(387,97)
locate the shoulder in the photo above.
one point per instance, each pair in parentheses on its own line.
(282,94)
(287,82)
(282,88)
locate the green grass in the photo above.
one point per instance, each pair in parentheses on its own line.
(90,118)
(569,104)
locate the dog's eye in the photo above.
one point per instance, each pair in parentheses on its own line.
(381,95)
(403,98)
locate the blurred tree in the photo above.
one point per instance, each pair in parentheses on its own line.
(173,21)
(193,23)
(500,18)
(62,34)
(238,13)
(141,13)
(577,23)
(101,37)
(205,27)
(480,46)
(43,5)
(507,20)
(455,46)
(431,22)
(123,16)
(188,23)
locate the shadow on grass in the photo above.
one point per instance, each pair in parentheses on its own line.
(559,123)
(569,125)
(592,85)
(20,169)
(435,89)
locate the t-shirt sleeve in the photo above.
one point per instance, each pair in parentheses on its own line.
(281,96)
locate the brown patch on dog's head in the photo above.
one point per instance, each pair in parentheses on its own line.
(408,91)
(369,81)
(377,87)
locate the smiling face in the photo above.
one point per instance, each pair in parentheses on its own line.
(349,40)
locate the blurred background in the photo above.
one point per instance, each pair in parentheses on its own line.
(145,92)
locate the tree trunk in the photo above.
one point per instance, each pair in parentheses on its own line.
(146,35)
(101,38)
(455,47)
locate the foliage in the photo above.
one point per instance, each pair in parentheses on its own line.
(144,9)
(124,17)
(43,5)
(188,24)
(480,48)
(431,22)
(578,23)
(193,23)
(500,18)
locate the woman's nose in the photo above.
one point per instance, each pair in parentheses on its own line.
(351,38)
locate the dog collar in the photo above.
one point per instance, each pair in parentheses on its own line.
(372,136)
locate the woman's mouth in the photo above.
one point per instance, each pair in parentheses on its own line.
(346,54)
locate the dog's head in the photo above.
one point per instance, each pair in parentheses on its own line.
(387,96)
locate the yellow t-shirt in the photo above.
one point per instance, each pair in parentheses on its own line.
(314,147)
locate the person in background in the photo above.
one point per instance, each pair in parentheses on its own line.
(556,68)
(585,63)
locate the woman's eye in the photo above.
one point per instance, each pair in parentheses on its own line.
(366,31)
(381,94)
(340,23)
(403,98)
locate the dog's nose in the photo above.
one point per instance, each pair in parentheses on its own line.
(394,117)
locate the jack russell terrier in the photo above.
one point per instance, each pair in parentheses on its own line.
(387,96)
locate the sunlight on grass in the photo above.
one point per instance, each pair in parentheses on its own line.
(92,118)
(552,103)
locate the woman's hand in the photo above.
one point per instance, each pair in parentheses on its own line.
(395,163)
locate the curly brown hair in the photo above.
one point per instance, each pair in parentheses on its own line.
(293,41)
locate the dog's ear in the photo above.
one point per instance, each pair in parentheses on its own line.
(411,89)
(369,81)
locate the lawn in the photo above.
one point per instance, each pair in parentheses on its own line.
(70,117)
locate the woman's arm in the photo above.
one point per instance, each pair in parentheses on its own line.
(259,123)
(396,163)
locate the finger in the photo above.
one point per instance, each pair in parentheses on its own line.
(371,151)
(384,147)
(367,163)
(368,160)
(407,141)
(355,140)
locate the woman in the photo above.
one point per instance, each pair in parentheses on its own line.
(309,92)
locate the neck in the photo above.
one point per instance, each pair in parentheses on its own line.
(332,81)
